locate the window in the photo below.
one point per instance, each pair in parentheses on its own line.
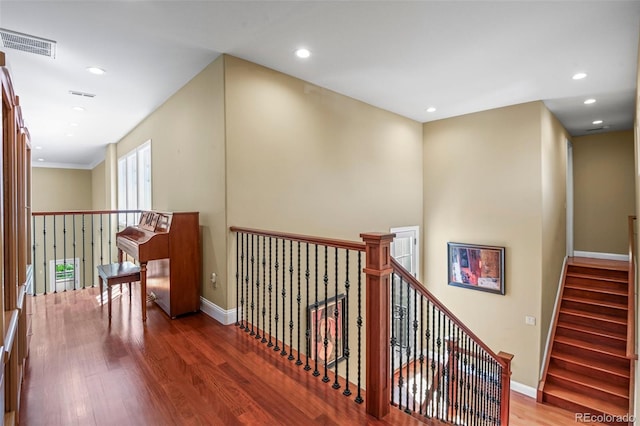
(134,181)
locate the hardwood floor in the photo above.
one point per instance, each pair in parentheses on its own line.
(189,371)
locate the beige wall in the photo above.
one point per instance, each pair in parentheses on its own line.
(554,216)
(188,164)
(303,159)
(604,193)
(98,188)
(483,185)
(61,189)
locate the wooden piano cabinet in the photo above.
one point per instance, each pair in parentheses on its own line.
(172,258)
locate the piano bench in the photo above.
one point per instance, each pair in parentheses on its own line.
(117,273)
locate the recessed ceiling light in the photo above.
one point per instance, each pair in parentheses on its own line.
(579,76)
(38,147)
(431,109)
(96,70)
(590,101)
(73,124)
(78,108)
(597,122)
(303,53)
(40,159)
(69,134)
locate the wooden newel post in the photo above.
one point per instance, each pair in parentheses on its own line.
(506,387)
(378,270)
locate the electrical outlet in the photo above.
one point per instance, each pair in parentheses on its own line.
(214,280)
(529,320)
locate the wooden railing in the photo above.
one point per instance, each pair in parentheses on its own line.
(276,271)
(465,382)
(632,353)
(552,333)
(631,296)
(67,246)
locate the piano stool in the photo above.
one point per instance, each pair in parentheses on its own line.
(118,273)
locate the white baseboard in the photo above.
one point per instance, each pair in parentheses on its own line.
(223,316)
(524,389)
(607,256)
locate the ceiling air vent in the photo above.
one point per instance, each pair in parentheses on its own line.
(598,129)
(27,43)
(83,94)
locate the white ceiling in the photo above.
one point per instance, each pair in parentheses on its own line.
(402,56)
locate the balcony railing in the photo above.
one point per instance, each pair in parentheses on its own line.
(69,245)
(304,298)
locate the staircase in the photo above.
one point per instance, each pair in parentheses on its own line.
(588,370)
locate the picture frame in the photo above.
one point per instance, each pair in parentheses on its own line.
(319,323)
(478,267)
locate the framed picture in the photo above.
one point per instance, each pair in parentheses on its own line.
(476,266)
(326,319)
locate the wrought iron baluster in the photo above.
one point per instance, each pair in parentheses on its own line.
(283,352)
(499,385)
(359,399)
(421,358)
(270,344)
(442,374)
(93,259)
(493,400)
(460,373)
(484,388)
(54,284)
(314,319)
(242,281)
(466,390)
(246,283)
(394,342)
(101,240)
(276,318)
(401,313)
(291,357)
(250,277)
(408,349)
(33,261)
(298,299)
(264,290)
(347,351)
(325,378)
(44,250)
(336,314)
(237,277)
(75,272)
(415,348)
(474,370)
(307,333)
(84,251)
(64,249)
(452,370)
(257,335)
(430,362)
(435,366)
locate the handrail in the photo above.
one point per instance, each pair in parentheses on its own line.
(552,331)
(72,212)
(631,295)
(400,270)
(331,242)
(503,359)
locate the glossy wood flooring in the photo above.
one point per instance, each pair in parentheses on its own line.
(189,371)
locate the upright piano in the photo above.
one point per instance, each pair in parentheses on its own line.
(167,247)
